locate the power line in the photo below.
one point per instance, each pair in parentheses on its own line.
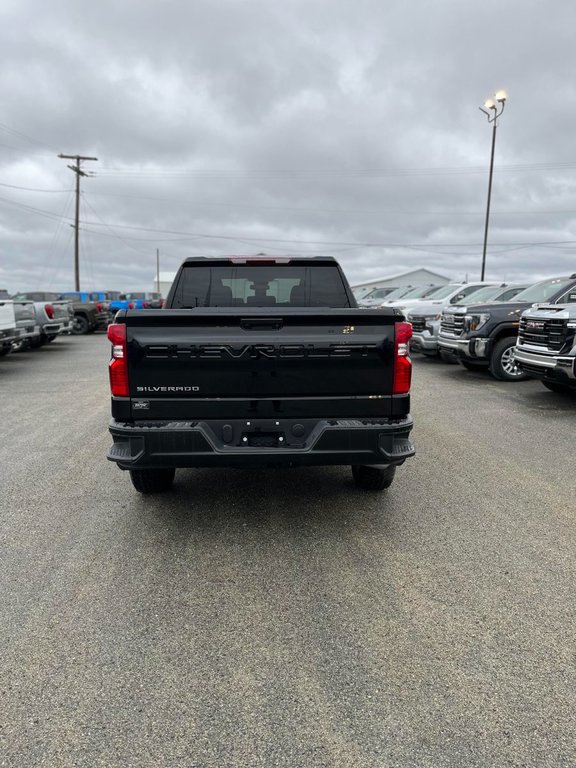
(31,209)
(308,209)
(328,172)
(50,251)
(21,134)
(249,238)
(234,204)
(111,229)
(368,244)
(34,189)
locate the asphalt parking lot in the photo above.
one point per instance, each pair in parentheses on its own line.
(284,618)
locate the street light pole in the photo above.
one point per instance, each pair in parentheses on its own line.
(493,108)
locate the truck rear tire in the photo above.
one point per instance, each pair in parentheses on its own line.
(152,480)
(80,325)
(373,478)
(502,365)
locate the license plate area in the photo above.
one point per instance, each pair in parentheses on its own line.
(263,439)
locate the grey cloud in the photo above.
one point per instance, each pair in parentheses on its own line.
(293,121)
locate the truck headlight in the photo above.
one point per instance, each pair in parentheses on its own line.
(475,322)
(429,319)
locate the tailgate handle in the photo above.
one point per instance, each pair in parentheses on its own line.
(261,323)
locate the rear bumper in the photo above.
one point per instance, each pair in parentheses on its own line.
(26,330)
(55,327)
(8,335)
(260,443)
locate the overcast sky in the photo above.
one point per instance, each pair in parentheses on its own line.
(338,127)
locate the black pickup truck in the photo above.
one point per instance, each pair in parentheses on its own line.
(260,362)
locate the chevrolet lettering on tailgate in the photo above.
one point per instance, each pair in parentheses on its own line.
(227,351)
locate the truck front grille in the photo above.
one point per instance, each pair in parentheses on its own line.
(418,324)
(548,333)
(452,324)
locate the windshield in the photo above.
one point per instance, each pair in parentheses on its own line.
(397,293)
(544,291)
(37,296)
(379,293)
(484,294)
(443,291)
(420,291)
(510,293)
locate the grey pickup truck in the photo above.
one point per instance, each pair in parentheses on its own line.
(259,362)
(53,315)
(546,344)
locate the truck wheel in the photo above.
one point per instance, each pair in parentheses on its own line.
(21,346)
(561,389)
(373,478)
(152,480)
(502,364)
(80,325)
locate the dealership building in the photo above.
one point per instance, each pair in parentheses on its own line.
(414,277)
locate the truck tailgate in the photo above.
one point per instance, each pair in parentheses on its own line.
(222,363)
(7,315)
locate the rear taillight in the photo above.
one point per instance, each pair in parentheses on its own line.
(119,364)
(145,305)
(130,305)
(99,307)
(49,309)
(402,362)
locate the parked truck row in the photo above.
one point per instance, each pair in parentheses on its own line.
(529,333)
(31,319)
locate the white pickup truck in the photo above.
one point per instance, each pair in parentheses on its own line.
(8,333)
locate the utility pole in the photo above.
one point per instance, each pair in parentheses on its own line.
(158,270)
(79,172)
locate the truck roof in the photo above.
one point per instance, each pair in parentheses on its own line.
(259,259)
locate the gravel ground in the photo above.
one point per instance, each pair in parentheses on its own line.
(283,618)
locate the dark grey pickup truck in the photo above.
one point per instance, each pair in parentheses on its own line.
(260,362)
